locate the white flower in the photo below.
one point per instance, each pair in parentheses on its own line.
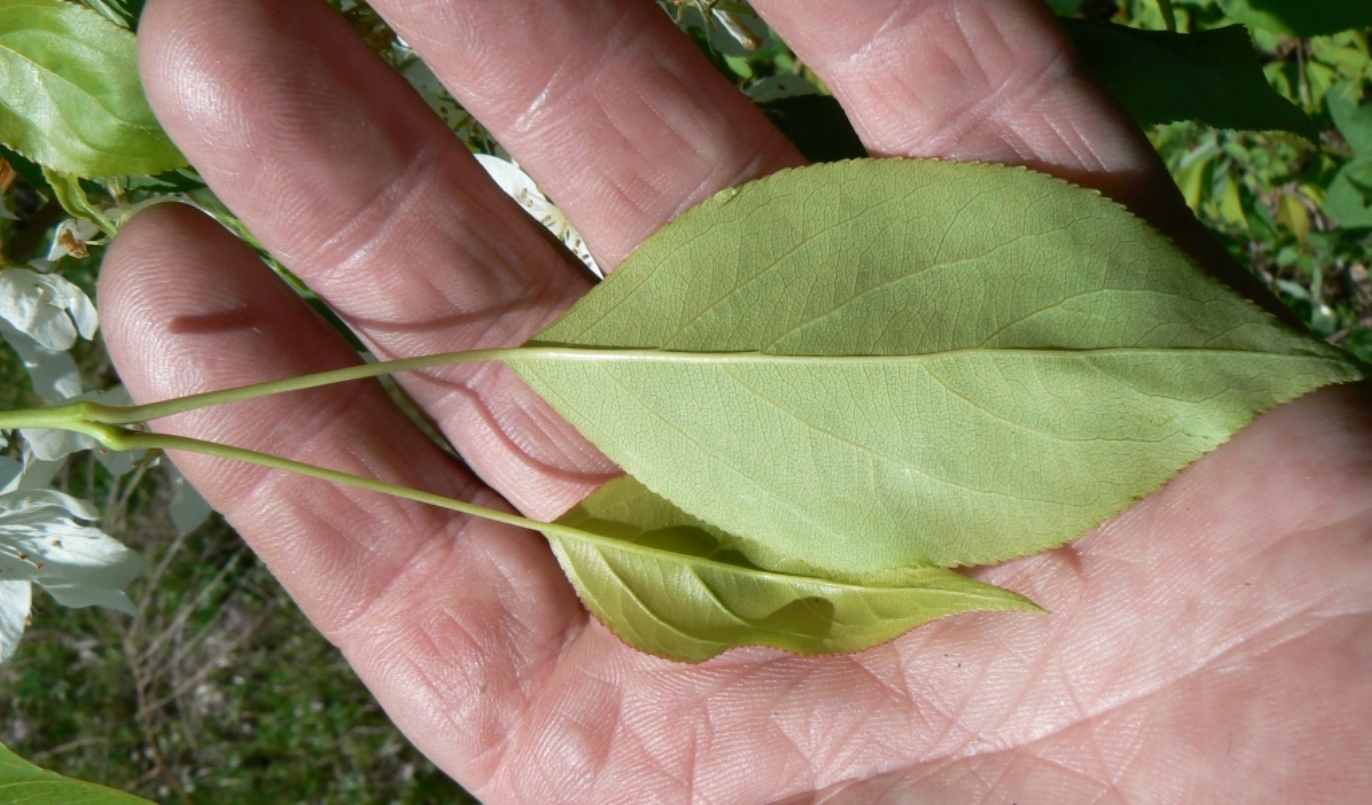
(521,187)
(46,539)
(46,307)
(41,316)
(71,238)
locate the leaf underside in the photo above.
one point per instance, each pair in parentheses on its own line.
(23,782)
(70,96)
(672,585)
(879,364)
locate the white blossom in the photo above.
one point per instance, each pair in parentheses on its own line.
(521,187)
(41,316)
(46,539)
(48,308)
(71,237)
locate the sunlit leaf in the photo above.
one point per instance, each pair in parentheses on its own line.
(70,97)
(1162,77)
(672,585)
(881,363)
(23,782)
(1300,17)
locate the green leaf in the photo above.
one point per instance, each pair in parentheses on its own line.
(1300,17)
(672,585)
(1350,194)
(1352,116)
(72,196)
(884,363)
(70,96)
(23,782)
(1162,77)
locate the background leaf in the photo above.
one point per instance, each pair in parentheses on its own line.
(21,781)
(70,97)
(1161,76)
(1352,115)
(1350,194)
(696,595)
(1300,17)
(934,363)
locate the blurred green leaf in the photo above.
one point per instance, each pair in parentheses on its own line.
(674,586)
(70,96)
(1352,116)
(1359,342)
(23,782)
(1350,194)
(1160,77)
(123,12)
(1300,17)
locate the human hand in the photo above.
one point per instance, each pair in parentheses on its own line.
(1210,643)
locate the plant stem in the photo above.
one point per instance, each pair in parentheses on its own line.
(1169,15)
(117,438)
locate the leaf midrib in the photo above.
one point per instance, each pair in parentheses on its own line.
(571,353)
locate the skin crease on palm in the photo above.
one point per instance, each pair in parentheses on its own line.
(1211,644)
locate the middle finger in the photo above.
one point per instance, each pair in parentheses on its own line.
(342,171)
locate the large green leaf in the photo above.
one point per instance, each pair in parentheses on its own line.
(23,782)
(1300,17)
(883,363)
(672,585)
(70,97)
(1162,77)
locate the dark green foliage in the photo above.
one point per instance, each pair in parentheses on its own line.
(1163,77)
(1300,17)
(817,126)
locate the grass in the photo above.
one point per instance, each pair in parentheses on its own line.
(219,691)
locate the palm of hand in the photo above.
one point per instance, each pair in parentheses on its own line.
(1214,638)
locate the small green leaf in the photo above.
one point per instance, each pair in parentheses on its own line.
(1352,116)
(1162,77)
(1300,17)
(21,781)
(884,363)
(674,586)
(72,196)
(70,96)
